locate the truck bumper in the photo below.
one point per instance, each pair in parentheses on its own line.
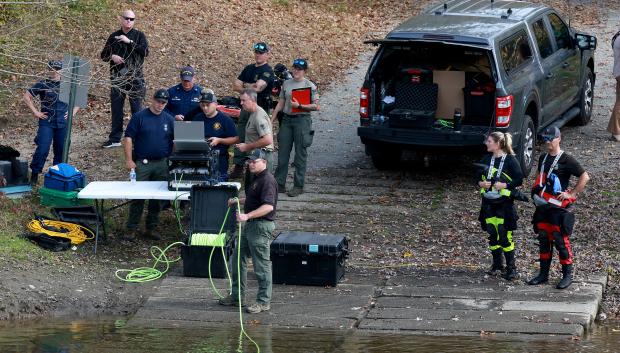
(469,136)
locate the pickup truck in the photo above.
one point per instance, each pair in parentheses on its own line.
(446,78)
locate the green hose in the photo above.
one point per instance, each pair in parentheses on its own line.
(146,274)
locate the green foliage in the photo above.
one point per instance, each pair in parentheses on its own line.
(281,2)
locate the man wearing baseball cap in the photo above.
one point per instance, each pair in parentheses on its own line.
(259,77)
(553,220)
(52,119)
(259,212)
(185,96)
(220,129)
(148,143)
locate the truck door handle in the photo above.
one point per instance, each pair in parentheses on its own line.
(549,75)
(565,65)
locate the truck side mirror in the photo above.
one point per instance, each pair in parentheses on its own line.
(585,42)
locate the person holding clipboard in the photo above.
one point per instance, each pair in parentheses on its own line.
(298,98)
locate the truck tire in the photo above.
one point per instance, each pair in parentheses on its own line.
(386,158)
(586,100)
(527,144)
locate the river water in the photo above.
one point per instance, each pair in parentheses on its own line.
(115,335)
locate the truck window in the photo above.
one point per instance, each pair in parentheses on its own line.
(542,39)
(560,31)
(515,51)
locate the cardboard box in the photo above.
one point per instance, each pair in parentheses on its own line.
(450,96)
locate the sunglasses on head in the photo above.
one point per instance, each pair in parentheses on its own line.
(130,19)
(187,73)
(548,138)
(260,47)
(299,62)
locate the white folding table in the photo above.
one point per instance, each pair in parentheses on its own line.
(99,191)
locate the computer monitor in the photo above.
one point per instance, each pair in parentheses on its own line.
(189,136)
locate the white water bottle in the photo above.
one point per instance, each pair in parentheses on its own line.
(132,176)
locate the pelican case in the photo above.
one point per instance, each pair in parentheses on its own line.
(208,206)
(309,258)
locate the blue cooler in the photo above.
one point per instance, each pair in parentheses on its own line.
(64,177)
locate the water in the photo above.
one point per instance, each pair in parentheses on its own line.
(114,335)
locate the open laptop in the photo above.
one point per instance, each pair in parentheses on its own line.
(189,136)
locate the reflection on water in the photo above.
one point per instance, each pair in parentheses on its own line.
(109,335)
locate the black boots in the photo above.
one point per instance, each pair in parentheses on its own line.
(34,179)
(511,268)
(567,277)
(543,275)
(497,266)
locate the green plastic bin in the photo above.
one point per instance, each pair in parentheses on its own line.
(57,198)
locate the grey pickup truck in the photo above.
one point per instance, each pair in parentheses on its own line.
(454,73)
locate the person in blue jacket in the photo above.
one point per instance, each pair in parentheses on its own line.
(220,129)
(52,119)
(185,96)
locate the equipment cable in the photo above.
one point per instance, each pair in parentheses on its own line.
(77,233)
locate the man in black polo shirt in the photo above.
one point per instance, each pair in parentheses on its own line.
(148,142)
(259,77)
(259,213)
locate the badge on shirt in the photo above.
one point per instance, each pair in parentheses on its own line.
(217,126)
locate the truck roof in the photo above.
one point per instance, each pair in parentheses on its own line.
(474,21)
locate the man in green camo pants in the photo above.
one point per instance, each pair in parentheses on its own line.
(298,98)
(259,212)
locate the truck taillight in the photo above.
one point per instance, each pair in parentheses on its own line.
(503,110)
(364,93)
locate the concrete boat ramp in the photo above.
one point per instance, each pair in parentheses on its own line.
(419,302)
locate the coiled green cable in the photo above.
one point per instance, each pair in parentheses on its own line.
(146,274)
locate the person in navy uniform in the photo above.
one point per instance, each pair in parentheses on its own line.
(125,49)
(184,97)
(148,143)
(52,119)
(220,130)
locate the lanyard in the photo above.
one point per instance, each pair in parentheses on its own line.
(542,166)
(499,169)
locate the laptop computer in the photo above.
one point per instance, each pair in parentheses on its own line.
(189,136)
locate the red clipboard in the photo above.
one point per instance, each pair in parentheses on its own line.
(303,96)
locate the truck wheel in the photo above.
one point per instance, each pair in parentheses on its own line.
(386,158)
(527,144)
(586,100)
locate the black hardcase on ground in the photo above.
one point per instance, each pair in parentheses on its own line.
(309,258)
(208,208)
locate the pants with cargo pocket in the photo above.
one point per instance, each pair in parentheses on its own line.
(296,130)
(254,243)
(152,171)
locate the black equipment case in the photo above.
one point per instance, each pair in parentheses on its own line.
(209,204)
(309,258)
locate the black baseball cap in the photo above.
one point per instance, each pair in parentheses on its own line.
(551,133)
(187,73)
(55,64)
(261,47)
(161,95)
(300,63)
(208,97)
(257,154)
